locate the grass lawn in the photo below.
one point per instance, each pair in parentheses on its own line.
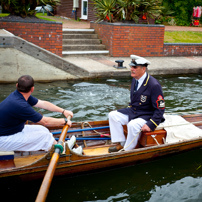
(44,16)
(38,15)
(3,14)
(183,37)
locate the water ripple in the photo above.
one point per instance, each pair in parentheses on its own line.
(96,98)
(186,189)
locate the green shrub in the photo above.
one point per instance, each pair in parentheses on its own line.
(129,10)
(25,8)
(183,10)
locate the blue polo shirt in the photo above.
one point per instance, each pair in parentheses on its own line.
(15,111)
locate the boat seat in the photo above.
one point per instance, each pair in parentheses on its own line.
(156,137)
(7,159)
(148,139)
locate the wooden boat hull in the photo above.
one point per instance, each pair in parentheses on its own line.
(70,163)
(125,158)
(96,163)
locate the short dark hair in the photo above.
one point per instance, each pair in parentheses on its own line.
(25,83)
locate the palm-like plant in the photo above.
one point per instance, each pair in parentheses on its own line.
(129,9)
(150,9)
(25,8)
(105,9)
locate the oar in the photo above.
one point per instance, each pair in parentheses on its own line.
(89,138)
(84,129)
(43,192)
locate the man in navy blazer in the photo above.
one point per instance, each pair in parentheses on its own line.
(145,110)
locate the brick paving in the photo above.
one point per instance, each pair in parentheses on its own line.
(183,28)
(68,23)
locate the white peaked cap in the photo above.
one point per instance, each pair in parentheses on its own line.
(139,60)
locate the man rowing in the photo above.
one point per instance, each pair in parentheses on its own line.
(16,109)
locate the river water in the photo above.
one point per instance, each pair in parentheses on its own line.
(175,178)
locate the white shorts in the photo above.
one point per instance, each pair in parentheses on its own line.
(32,138)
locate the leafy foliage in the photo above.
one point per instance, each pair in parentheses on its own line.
(116,10)
(128,9)
(25,8)
(151,8)
(105,9)
(173,12)
(183,10)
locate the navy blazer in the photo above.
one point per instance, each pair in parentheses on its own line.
(146,103)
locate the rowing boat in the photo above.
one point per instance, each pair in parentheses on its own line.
(94,137)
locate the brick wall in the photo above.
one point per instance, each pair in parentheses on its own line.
(47,35)
(123,39)
(66,7)
(182,49)
(91,13)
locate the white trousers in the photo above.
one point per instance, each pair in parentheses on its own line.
(32,138)
(116,120)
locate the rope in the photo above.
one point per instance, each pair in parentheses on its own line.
(188,112)
(153,136)
(182,124)
(83,123)
(83,134)
(131,141)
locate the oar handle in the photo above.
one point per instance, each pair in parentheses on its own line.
(43,192)
(63,135)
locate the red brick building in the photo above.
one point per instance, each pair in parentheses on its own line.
(82,9)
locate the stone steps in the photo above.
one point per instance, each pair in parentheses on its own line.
(82,47)
(79,36)
(84,53)
(82,42)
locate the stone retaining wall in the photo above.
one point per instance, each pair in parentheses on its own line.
(47,35)
(19,57)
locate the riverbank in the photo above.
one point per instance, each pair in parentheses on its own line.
(103,66)
(27,56)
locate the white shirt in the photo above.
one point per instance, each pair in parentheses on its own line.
(141,80)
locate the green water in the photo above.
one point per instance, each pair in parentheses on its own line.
(93,100)
(175,178)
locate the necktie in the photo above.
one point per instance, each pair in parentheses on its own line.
(136,86)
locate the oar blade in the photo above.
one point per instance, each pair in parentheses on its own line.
(43,192)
